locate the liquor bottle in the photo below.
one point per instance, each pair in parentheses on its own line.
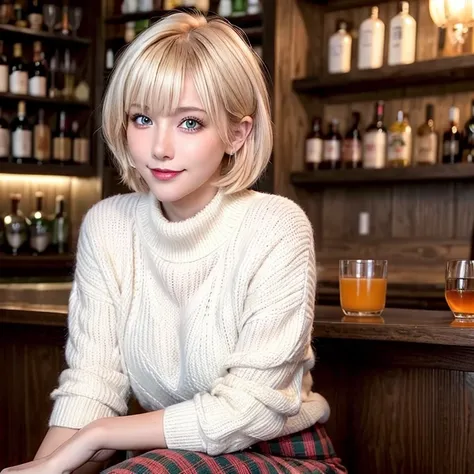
(53,77)
(109,59)
(225,8)
(254,7)
(21,136)
(468,152)
(452,150)
(62,147)
(375,140)
(239,7)
(340,44)
(80,146)
(145,5)
(68,70)
(41,139)
(18,72)
(38,74)
(4,138)
(371,41)
(3,70)
(35,15)
(399,142)
(314,146)
(402,44)
(60,227)
(332,147)
(39,227)
(352,145)
(426,151)
(16,226)
(63,26)
(19,15)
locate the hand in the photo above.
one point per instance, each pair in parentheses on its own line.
(74,453)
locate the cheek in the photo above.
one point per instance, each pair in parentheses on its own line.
(136,142)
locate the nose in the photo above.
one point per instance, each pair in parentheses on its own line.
(162,146)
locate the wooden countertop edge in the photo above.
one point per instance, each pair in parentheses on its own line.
(40,315)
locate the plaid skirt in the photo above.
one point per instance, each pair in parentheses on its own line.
(309,451)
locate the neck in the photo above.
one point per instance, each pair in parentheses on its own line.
(188,206)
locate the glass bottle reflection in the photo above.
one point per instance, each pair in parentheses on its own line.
(16,226)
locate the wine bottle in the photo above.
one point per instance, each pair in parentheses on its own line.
(399,142)
(427,140)
(39,226)
(41,139)
(352,148)
(18,72)
(452,150)
(21,136)
(60,227)
(314,146)
(375,140)
(4,138)
(468,152)
(38,73)
(3,69)
(16,226)
(20,15)
(80,146)
(62,147)
(332,147)
(35,15)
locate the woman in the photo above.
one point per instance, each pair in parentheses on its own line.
(193,293)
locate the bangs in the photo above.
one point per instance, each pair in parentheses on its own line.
(155,81)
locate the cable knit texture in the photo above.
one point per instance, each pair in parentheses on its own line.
(209,318)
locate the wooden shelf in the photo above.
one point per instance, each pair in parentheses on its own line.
(31,265)
(245,21)
(82,171)
(14,31)
(348,177)
(435,71)
(46,101)
(336,5)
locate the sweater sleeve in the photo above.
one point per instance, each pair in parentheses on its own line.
(262,379)
(93,385)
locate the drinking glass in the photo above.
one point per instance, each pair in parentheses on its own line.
(50,13)
(363,287)
(459,292)
(75,18)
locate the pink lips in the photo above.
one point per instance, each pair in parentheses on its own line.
(164,174)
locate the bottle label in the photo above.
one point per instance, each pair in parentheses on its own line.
(80,152)
(19,82)
(42,143)
(402,43)
(451,147)
(21,143)
(4,143)
(339,55)
(351,150)
(426,149)
(332,150)
(38,86)
(62,148)
(399,145)
(314,150)
(3,78)
(375,144)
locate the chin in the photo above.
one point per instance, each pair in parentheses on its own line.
(171,192)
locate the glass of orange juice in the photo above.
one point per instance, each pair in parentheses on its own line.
(459,292)
(363,287)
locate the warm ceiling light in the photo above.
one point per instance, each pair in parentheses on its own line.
(457,16)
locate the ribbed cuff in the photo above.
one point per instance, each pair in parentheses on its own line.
(77,412)
(181,427)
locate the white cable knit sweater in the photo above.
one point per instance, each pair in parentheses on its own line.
(209,318)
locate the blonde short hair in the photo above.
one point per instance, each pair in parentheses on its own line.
(228,77)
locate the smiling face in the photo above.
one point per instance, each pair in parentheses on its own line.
(179,155)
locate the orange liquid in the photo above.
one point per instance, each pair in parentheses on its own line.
(460,301)
(363,294)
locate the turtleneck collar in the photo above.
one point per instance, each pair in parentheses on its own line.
(193,238)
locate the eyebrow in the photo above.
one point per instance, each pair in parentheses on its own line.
(179,110)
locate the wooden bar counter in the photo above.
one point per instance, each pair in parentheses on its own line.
(401,393)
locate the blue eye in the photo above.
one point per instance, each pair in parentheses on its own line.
(191,124)
(141,120)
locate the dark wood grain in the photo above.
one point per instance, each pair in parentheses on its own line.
(461,171)
(23,33)
(46,101)
(48,169)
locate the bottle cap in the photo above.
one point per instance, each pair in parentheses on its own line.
(374,12)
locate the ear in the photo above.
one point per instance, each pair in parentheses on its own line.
(241,132)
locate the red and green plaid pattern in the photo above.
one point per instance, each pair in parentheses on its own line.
(309,452)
